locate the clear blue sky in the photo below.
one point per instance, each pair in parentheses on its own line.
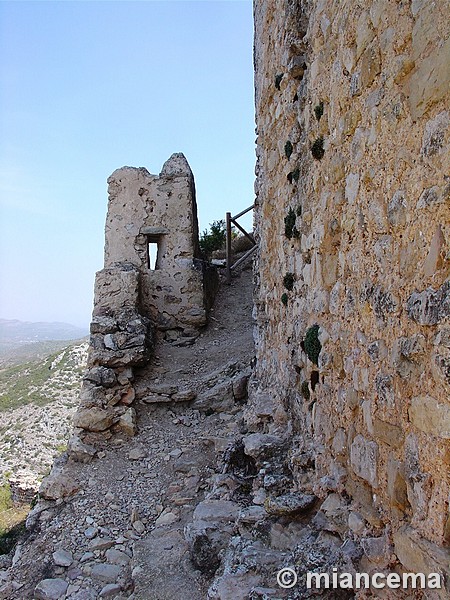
(90,86)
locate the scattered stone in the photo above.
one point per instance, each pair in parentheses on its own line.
(91,532)
(137,453)
(58,485)
(139,527)
(100,543)
(117,557)
(62,558)
(111,590)
(50,589)
(176,453)
(184,396)
(289,504)
(104,573)
(166,518)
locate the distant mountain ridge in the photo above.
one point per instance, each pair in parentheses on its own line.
(15,331)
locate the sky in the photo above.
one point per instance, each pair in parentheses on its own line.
(89,86)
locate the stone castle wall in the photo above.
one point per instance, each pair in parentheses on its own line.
(352,272)
(133,298)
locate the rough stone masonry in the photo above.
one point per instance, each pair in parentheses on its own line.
(353,291)
(139,292)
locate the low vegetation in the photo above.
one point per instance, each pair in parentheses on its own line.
(12,520)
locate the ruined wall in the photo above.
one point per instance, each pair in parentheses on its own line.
(162,210)
(352,272)
(133,298)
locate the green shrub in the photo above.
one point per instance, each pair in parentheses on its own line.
(318,111)
(312,345)
(290,230)
(317,149)
(278,79)
(284,299)
(214,239)
(288,281)
(288,149)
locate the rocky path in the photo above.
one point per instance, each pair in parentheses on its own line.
(201,504)
(121,534)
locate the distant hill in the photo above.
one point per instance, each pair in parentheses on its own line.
(37,401)
(26,332)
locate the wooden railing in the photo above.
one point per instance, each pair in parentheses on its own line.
(233,221)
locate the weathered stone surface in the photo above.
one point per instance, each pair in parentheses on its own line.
(430,416)
(377,550)
(50,589)
(104,573)
(387,433)
(93,419)
(58,485)
(364,459)
(435,258)
(421,556)
(430,81)
(62,558)
(289,504)
(397,489)
(434,134)
(430,306)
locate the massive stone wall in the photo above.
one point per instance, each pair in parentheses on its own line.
(352,272)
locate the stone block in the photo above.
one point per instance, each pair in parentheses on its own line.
(435,258)
(429,82)
(434,134)
(93,419)
(289,504)
(388,434)
(364,459)
(396,484)
(418,555)
(430,306)
(370,65)
(430,416)
(127,422)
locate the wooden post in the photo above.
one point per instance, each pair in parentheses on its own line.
(228,241)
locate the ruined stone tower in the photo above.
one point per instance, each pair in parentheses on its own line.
(140,292)
(152,225)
